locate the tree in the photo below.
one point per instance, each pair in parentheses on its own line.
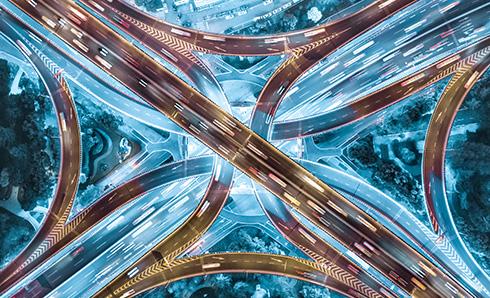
(289,22)
(310,291)
(4,177)
(4,78)
(407,155)
(314,14)
(109,120)
(20,154)
(16,233)
(279,286)
(222,281)
(7,136)
(243,290)
(89,195)
(363,151)
(389,172)
(259,292)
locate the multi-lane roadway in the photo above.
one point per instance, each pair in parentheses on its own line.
(467,73)
(194,40)
(151,34)
(401,45)
(232,263)
(246,151)
(375,101)
(52,227)
(109,203)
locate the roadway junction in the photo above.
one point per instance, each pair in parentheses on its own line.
(363,256)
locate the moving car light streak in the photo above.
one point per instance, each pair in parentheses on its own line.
(235,262)
(199,109)
(52,227)
(374,102)
(193,40)
(433,177)
(397,260)
(115,199)
(220,184)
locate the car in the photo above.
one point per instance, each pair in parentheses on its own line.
(77,251)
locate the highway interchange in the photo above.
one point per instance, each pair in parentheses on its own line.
(206,116)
